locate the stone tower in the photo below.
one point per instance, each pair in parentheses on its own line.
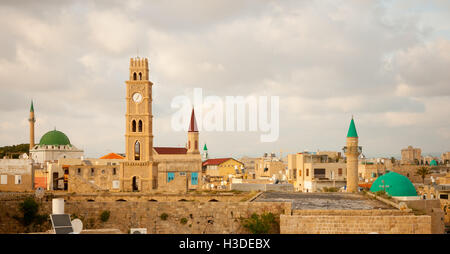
(192,145)
(32,120)
(352,152)
(139,172)
(139,132)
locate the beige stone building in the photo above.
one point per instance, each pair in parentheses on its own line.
(446,158)
(312,172)
(411,155)
(16,174)
(270,166)
(145,168)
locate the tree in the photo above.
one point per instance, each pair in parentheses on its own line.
(423,172)
(393,160)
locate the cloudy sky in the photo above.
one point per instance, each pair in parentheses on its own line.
(385,62)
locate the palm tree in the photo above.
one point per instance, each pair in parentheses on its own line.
(423,172)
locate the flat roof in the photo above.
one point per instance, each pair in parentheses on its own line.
(324,201)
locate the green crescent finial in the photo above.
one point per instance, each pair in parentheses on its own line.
(352,130)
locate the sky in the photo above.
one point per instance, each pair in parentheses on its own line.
(384,62)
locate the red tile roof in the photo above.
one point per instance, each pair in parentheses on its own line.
(215,161)
(112,156)
(170,150)
(193,123)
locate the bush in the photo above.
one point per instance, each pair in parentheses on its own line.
(183,221)
(261,224)
(104,216)
(164,216)
(330,189)
(31,218)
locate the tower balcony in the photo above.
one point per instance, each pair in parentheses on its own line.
(352,149)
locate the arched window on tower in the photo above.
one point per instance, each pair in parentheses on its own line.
(137,151)
(133,126)
(140,75)
(134,76)
(140,126)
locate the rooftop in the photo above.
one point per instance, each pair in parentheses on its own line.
(323,201)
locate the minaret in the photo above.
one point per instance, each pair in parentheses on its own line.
(32,120)
(205,152)
(352,152)
(192,147)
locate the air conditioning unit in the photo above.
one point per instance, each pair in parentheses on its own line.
(138,231)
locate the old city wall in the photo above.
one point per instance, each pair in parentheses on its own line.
(353,224)
(200,217)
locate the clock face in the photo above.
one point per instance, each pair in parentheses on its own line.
(137,97)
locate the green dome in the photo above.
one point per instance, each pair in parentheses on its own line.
(396,185)
(433,163)
(54,138)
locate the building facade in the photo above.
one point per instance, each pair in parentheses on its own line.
(312,172)
(411,155)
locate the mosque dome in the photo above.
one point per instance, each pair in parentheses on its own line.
(396,185)
(54,138)
(433,163)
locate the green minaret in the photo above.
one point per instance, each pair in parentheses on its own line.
(32,120)
(352,151)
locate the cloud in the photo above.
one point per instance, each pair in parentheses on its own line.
(384,62)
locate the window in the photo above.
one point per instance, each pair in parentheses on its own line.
(115,184)
(137,151)
(140,75)
(4,179)
(134,76)
(307,172)
(443,196)
(319,173)
(189,144)
(340,172)
(182,173)
(194,178)
(140,126)
(79,171)
(92,171)
(196,145)
(114,171)
(170,176)
(133,126)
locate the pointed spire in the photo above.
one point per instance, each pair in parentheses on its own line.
(205,148)
(193,123)
(32,107)
(352,130)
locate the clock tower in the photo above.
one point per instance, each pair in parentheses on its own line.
(139,131)
(138,172)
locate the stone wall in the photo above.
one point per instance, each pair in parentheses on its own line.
(261,187)
(201,217)
(330,224)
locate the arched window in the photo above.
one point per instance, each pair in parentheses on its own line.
(134,76)
(307,172)
(137,151)
(140,126)
(140,75)
(133,126)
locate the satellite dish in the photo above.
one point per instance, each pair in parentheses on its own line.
(39,193)
(77,226)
